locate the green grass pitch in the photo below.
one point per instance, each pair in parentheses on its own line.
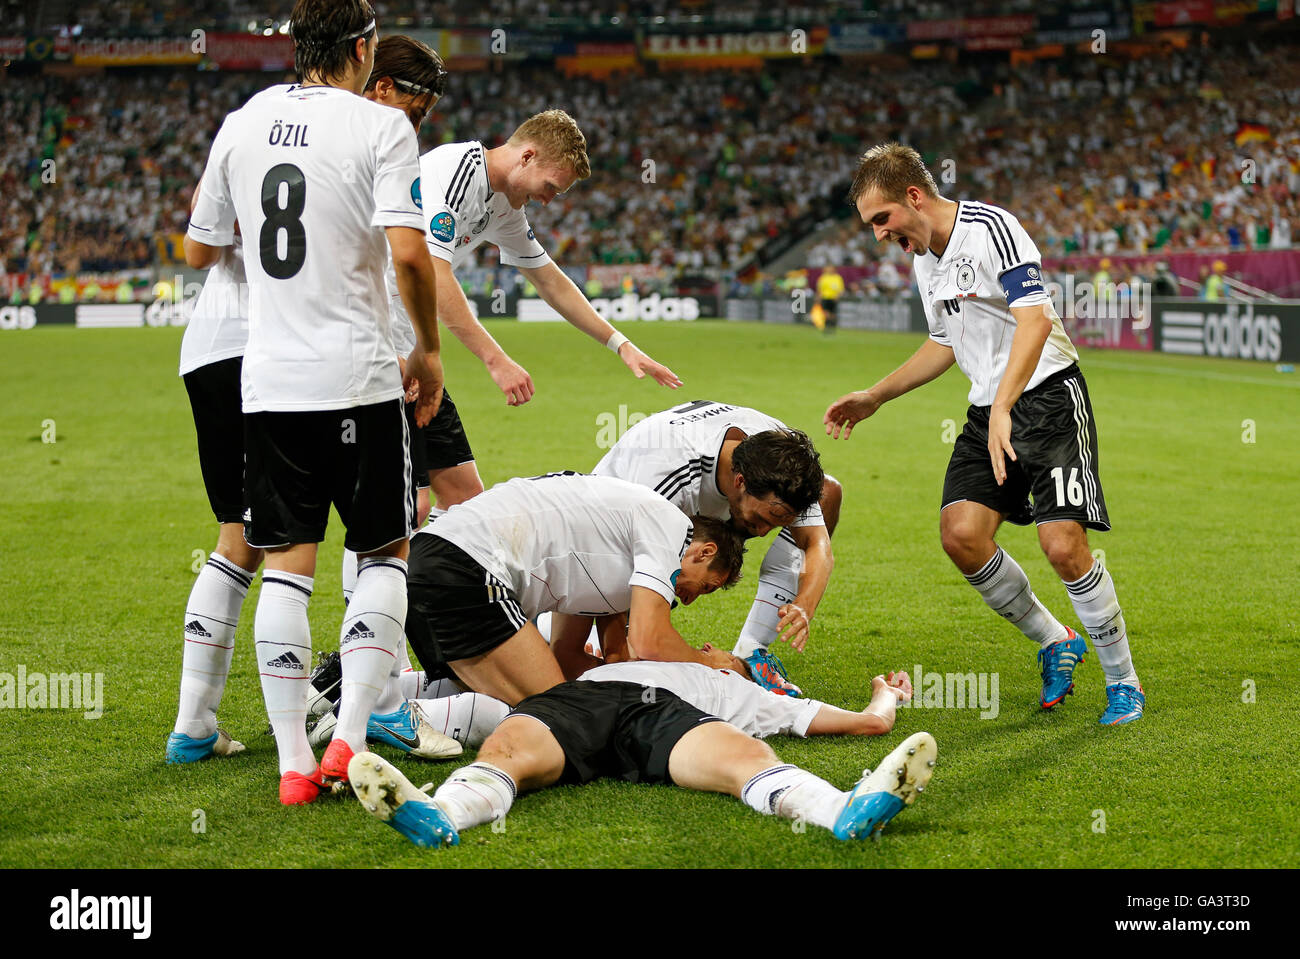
(1200,460)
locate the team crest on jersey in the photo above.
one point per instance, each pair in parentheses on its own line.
(965,277)
(443,227)
(415,194)
(532,235)
(482,224)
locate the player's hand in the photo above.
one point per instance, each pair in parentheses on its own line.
(721,659)
(511,379)
(899,682)
(794,625)
(849,410)
(424,374)
(412,391)
(1000,442)
(642,365)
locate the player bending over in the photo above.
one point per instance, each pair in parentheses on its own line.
(731,462)
(1029,429)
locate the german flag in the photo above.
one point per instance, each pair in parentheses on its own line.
(1180,168)
(1208,166)
(1252,133)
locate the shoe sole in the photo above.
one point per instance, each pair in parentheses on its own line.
(391,798)
(897,781)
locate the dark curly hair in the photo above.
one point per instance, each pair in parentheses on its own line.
(783,462)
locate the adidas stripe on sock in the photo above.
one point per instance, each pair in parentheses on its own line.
(372,628)
(476,794)
(283,639)
(211,615)
(794,793)
(1005,587)
(1097,606)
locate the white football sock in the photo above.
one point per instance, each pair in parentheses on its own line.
(778,584)
(1005,587)
(372,628)
(468,718)
(793,793)
(283,640)
(476,794)
(349,575)
(211,615)
(390,697)
(1097,606)
(417,685)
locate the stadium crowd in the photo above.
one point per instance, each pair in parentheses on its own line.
(696,170)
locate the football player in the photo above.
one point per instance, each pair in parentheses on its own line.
(1029,429)
(322,389)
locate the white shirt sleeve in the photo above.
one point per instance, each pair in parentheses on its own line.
(1021,272)
(517,242)
(397,174)
(660,535)
(213,219)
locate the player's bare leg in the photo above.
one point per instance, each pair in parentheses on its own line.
(455,484)
(1092,591)
(570,638)
(211,616)
(520,667)
(967,530)
(718,757)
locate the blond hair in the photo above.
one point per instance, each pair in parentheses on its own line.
(558,140)
(891,168)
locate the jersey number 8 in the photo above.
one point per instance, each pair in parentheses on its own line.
(287,218)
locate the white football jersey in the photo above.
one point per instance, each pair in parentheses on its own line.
(571,543)
(313,175)
(989,266)
(718,692)
(218,325)
(461,212)
(675,453)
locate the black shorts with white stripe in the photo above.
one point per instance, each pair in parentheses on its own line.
(1055,438)
(455,609)
(215,400)
(614,729)
(299,463)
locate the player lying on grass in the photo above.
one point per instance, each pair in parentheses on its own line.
(1029,428)
(589,545)
(584,730)
(728,693)
(737,464)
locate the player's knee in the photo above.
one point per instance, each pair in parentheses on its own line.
(832,497)
(1069,557)
(961,541)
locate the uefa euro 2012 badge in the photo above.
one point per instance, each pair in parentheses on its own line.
(964,276)
(415,194)
(443,227)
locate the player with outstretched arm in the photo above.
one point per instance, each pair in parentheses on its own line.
(1029,430)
